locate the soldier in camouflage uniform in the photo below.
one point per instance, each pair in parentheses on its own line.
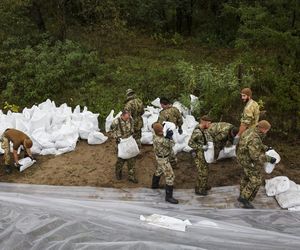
(170,114)
(163,146)
(122,128)
(135,106)
(222,134)
(250,115)
(251,157)
(198,142)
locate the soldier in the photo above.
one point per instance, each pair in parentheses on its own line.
(122,128)
(250,114)
(162,148)
(251,156)
(135,106)
(170,114)
(18,138)
(222,134)
(198,142)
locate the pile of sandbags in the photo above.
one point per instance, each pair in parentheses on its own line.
(54,130)
(286,192)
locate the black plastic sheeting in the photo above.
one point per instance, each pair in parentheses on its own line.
(53,217)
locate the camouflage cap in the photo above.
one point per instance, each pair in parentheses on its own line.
(246,91)
(129,92)
(158,128)
(205,118)
(264,124)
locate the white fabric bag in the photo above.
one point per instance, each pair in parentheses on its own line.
(277,185)
(26,163)
(269,166)
(209,154)
(227,152)
(128,148)
(96,138)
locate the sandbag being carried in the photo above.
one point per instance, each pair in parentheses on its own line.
(128,148)
(26,163)
(269,166)
(227,152)
(209,154)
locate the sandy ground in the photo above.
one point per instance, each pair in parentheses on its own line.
(94,166)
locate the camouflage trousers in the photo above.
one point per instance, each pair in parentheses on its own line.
(137,127)
(173,159)
(6,148)
(130,165)
(251,180)
(164,167)
(202,172)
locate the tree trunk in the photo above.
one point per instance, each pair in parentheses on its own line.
(37,17)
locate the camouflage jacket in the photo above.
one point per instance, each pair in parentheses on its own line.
(199,138)
(162,146)
(135,107)
(122,129)
(219,131)
(251,147)
(170,114)
(250,114)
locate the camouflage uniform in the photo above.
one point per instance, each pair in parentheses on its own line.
(219,132)
(136,108)
(250,114)
(162,149)
(6,147)
(251,157)
(199,138)
(171,114)
(124,129)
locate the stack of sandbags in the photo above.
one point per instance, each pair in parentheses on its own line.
(286,192)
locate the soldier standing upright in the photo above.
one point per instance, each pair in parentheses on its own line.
(170,114)
(250,115)
(198,142)
(122,128)
(162,149)
(251,157)
(135,106)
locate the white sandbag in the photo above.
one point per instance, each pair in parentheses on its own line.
(178,148)
(209,153)
(153,118)
(290,198)
(227,152)
(26,163)
(64,150)
(22,125)
(35,149)
(296,208)
(48,151)
(180,138)
(128,148)
(40,119)
(147,138)
(85,129)
(187,149)
(168,126)
(96,138)
(108,121)
(91,118)
(182,109)
(156,102)
(277,185)
(42,138)
(1,150)
(194,101)
(269,167)
(62,144)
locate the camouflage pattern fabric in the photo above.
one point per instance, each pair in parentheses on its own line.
(250,114)
(6,148)
(219,132)
(130,165)
(162,149)
(170,114)
(251,157)
(136,108)
(198,139)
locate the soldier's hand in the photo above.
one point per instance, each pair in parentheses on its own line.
(236,140)
(18,165)
(273,160)
(118,140)
(32,158)
(169,134)
(269,148)
(180,131)
(205,147)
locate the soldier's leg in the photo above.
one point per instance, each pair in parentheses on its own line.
(173,160)
(157,174)
(202,174)
(7,159)
(131,170)
(118,169)
(137,136)
(170,176)
(255,180)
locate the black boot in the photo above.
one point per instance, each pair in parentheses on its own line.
(169,195)
(202,192)
(7,169)
(155,181)
(246,204)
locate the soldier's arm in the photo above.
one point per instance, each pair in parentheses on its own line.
(256,151)
(161,117)
(114,127)
(196,141)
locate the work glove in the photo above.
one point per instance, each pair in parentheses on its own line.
(18,165)
(205,147)
(193,153)
(169,134)
(272,160)
(118,140)
(236,140)
(180,130)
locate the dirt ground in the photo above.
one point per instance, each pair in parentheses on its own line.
(93,165)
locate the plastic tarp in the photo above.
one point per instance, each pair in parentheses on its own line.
(53,217)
